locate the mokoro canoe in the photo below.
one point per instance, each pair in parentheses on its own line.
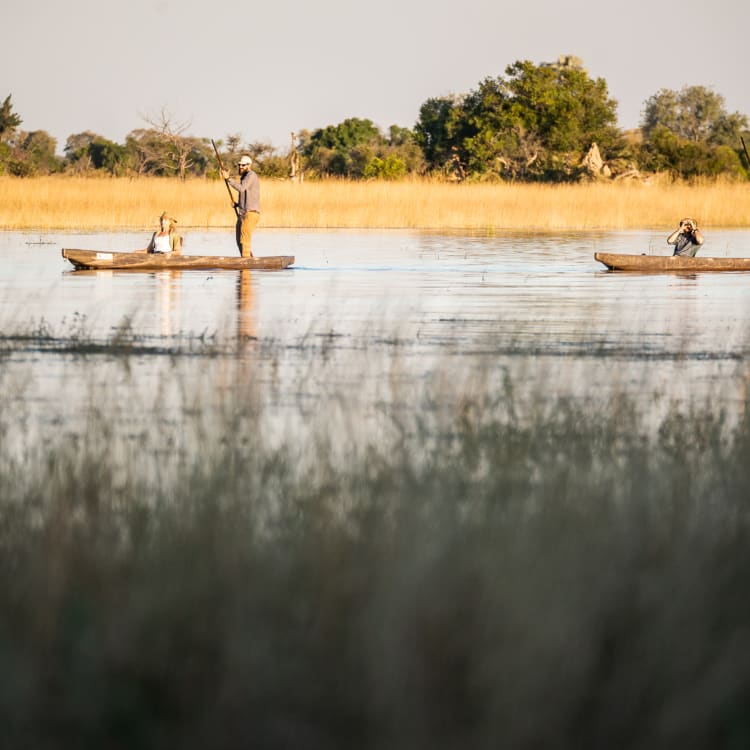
(154,261)
(667,263)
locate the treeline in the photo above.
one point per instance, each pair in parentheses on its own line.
(549,122)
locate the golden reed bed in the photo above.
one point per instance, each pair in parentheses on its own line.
(118,203)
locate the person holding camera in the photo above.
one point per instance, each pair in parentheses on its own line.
(686,239)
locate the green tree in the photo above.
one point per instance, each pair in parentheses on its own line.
(147,152)
(549,117)
(398,136)
(667,151)
(342,150)
(9,120)
(267,161)
(357,148)
(88,151)
(108,156)
(389,168)
(347,135)
(433,131)
(403,147)
(35,154)
(76,151)
(695,113)
(536,123)
(689,133)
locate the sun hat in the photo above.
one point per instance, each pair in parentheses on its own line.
(244,159)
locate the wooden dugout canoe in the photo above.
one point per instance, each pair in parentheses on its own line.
(667,263)
(154,261)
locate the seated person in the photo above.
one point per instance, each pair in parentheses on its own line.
(166,239)
(686,239)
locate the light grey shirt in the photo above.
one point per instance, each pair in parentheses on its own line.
(248,192)
(686,244)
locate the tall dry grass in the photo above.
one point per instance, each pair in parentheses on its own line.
(97,203)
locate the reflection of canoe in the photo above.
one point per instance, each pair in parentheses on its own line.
(150,261)
(661,263)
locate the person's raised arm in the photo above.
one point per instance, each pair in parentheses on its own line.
(673,237)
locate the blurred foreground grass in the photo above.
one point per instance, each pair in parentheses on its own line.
(465,579)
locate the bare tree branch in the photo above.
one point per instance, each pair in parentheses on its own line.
(177,154)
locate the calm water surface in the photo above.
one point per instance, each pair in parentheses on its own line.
(389,306)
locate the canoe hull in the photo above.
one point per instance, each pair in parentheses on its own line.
(94,259)
(670,263)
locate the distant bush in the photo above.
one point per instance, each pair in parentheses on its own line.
(390,168)
(667,152)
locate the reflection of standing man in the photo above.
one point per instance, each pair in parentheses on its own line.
(246,313)
(248,203)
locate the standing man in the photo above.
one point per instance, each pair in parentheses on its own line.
(248,203)
(687,238)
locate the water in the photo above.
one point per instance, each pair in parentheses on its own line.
(310,593)
(541,288)
(368,313)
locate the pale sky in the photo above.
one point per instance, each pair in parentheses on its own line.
(265,69)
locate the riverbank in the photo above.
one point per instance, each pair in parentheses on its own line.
(94,203)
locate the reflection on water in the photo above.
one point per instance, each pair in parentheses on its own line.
(246,321)
(362,310)
(169,300)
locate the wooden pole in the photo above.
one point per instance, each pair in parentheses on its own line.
(226,182)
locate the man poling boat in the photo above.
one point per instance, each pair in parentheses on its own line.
(247,205)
